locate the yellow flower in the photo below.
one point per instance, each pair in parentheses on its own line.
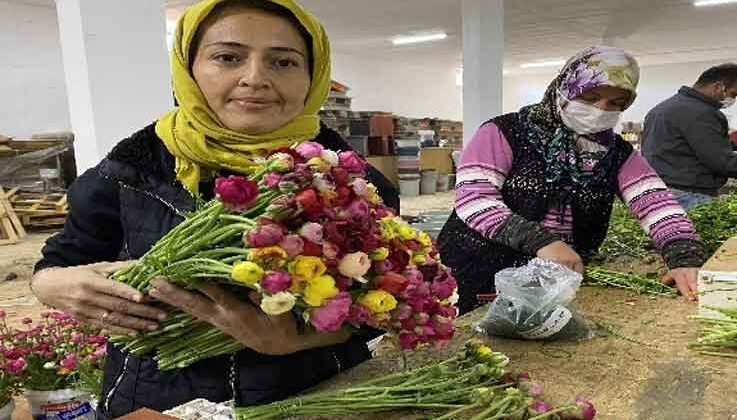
(378,301)
(318,165)
(380,254)
(307,267)
(420,259)
(319,289)
(424,239)
(388,227)
(373,194)
(270,257)
(483,351)
(406,232)
(247,272)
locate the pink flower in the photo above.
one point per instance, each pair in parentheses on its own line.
(310,149)
(448,311)
(539,407)
(275,282)
(354,265)
(69,362)
(236,192)
(76,337)
(402,312)
(293,245)
(271,180)
(425,332)
(13,354)
(358,315)
(535,389)
(99,353)
(444,328)
(263,236)
(359,209)
(97,339)
(422,318)
(383,266)
(444,289)
(330,250)
(360,187)
(330,316)
(408,340)
(352,162)
(16,366)
(312,232)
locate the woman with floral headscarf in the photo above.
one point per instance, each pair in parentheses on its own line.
(250,77)
(541,183)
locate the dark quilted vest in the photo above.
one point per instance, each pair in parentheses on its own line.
(475,259)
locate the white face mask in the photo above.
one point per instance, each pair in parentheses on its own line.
(728,101)
(583,118)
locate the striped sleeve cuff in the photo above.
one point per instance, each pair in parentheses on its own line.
(684,253)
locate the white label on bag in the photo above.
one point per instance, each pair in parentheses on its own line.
(558,319)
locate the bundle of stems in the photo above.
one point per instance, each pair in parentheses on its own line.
(719,336)
(598,276)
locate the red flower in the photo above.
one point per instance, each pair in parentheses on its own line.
(399,258)
(392,283)
(312,249)
(340,176)
(408,340)
(344,197)
(236,192)
(309,201)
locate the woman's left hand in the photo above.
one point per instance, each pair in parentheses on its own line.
(685,280)
(246,322)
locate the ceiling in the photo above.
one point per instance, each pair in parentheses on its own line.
(656,31)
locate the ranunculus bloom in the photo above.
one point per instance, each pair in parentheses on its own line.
(281,162)
(69,362)
(330,157)
(247,272)
(408,340)
(383,266)
(318,165)
(324,183)
(276,281)
(444,328)
(340,176)
(352,162)
(354,265)
(330,250)
(360,187)
(535,389)
(16,366)
(278,303)
(271,180)
(309,201)
(319,289)
(331,315)
(539,407)
(97,339)
(402,312)
(378,301)
(309,150)
(344,196)
(292,244)
(392,283)
(312,232)
(359,209)
(236,192)
(264,235)
(269,257)
(76,337)
(307,268)
(444,289)
(359,315)
(312,249)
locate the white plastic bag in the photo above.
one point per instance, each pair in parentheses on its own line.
(64,404)
(535,302)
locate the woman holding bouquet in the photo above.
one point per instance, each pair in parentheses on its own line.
(250,77)
(541,182)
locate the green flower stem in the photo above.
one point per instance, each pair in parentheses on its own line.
(549,414)
(496,409)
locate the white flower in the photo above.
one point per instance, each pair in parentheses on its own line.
(330,157)
(278,304)
(355,265)
(50,365)
(453,299)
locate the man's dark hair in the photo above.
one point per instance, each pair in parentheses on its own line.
(725,73)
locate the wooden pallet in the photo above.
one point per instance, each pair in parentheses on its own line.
(40,210)
(11,228)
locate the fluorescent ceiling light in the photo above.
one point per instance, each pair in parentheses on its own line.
(713,2)
(551,63)
(415,39)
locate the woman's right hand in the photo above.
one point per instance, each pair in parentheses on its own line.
(563,254)
(87,293)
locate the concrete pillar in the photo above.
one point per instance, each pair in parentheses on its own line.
(117,70)
(483,60)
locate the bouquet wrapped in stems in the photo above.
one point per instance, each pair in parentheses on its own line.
(309,234)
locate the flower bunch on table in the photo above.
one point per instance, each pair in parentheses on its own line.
(309,234)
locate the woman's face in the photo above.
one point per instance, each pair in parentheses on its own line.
(607,98)
(252,67)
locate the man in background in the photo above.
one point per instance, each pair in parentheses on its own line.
(686,137)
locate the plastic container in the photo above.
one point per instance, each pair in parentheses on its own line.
(451,182)
(6,412)
(442,183)
(409,185)
(62,404)
(429,182)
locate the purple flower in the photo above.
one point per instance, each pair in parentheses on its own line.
(310,149)
(293,245)
(275,282)
(358,315)
(352,162)
(271,180)
(264,235)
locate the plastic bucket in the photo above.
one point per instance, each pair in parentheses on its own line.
(409,185)
(7,410)
(63,404)
(442,182)
(429,183)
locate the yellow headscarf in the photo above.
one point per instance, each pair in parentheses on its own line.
(193,133)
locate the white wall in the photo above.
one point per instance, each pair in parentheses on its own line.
(407,88)
(657,83)
(32,90)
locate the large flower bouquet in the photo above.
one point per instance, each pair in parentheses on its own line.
(50,355)
(309,234)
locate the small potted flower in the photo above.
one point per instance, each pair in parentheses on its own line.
(49,358)
(9,379)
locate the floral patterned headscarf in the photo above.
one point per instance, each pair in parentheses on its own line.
(591,68)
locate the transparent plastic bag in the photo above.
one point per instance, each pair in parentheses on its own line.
(535,302)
